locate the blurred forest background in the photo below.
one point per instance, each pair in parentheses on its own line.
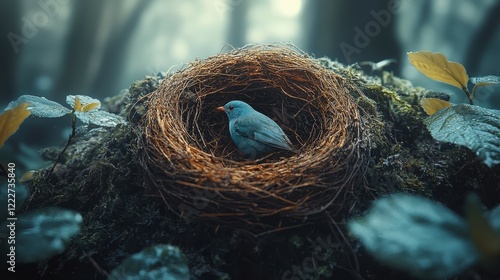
(53,48)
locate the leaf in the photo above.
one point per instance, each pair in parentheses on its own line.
(485,80)
(84,104)
(155,262)
(11,120)
(494,218)
(416,235)
(27,176)
(378,66)
(85,108)
(100,118)
(40,106)
(90,107)
(43,233)
(482,233)
(437,67)
(432,105)
(471,126)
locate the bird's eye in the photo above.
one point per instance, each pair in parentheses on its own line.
(231,107)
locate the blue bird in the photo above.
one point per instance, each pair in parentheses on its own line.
(254,133)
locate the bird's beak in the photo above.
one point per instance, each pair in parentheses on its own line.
(220,109)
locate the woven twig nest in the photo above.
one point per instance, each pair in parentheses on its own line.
(190,157)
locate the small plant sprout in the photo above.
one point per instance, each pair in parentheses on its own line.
(437,67)
(489,80)
(84,108)
(471,126)
(378,66)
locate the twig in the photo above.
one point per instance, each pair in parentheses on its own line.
(94,263)
(339,230)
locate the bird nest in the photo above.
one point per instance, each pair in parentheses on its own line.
(190,157)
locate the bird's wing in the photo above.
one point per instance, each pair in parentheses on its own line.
(264,130)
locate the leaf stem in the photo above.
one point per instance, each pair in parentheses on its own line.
(469,96)
(473,91)
(73,133)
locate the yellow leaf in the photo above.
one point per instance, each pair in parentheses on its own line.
(78,104)
(80,107)
(483,235)
(27,176)
(437,67)
(432,105)
(90,106)
(11,120)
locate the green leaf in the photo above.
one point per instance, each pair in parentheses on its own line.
(485,80)
(40,106)
(495,218)
(100,118)
(156,262)
(43,233)
(416,235)
(471,126)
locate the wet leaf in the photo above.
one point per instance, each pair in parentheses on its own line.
(40,106)
(100,118)
(156,262)
(416,235)
(44,233)
(432,105)
(86,110)
(10,121)
(471,126)
(485,80)
(437,67)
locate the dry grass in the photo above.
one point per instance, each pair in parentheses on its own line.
(190,157)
